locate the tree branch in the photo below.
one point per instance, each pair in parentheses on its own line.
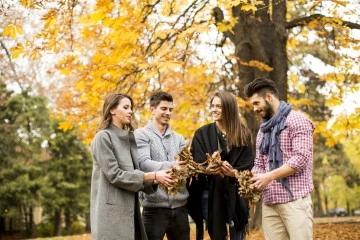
(300,22)
(219,16)
(11,64)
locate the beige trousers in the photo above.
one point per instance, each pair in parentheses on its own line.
(292,220)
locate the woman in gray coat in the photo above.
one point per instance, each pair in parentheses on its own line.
(115,210)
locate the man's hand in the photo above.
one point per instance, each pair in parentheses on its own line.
(261,180)
(164,177)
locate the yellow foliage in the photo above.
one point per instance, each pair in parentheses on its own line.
(12,31)
(113,48)
(259,65)
(65,126)
(248,7)
(17,50)
(342,3)
(301,102)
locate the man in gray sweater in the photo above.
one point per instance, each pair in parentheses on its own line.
(157,146)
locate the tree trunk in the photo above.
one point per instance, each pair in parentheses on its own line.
(87,219)
(318,211)
(24,219)
(57,222)
(255,217)
(262,38)
(67,221)
(326,202)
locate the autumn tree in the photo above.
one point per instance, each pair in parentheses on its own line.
(328,161)
(191,48)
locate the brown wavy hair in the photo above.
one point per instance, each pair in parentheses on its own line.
(111,102)
(237,133)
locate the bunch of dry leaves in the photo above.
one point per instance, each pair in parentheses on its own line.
(189,168)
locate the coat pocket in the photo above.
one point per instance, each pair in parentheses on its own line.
(110,194)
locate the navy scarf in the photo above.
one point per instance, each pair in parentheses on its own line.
(270,143)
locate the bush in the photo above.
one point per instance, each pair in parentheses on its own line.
(77,228)
(45,229)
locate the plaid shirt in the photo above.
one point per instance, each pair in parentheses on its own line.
(296,143)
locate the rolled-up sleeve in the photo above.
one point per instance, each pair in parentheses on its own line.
(260,160)
(301,133)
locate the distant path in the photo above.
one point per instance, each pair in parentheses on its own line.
(337,220)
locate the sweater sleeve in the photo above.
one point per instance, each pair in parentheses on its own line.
(147,164)
(105,158)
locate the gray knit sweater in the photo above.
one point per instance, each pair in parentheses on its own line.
(157,152)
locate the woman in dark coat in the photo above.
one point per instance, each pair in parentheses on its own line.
(212,197)
(114,210)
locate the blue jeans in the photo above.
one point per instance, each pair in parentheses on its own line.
(172,222)
(205,206)
(234,235)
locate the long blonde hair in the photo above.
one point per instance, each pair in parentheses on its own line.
(111,102)
(237,133)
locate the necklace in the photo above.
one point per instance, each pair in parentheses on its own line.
(223,135)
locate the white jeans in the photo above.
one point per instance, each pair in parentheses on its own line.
(292,220)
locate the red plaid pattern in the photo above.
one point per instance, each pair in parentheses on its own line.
(296,143)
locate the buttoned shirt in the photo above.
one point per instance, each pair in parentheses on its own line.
(296,144)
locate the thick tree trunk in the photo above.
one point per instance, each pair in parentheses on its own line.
(262,38)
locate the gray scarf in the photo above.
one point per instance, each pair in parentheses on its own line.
(270,143)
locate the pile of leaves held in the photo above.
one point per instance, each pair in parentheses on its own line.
(189,169)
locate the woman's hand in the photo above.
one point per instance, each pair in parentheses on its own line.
(213,169)
(227,169)
(164,177)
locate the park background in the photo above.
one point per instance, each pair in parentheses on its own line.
(59,58)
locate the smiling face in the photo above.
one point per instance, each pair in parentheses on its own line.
(122,114)
(261,106)
(162,113)
(216,109)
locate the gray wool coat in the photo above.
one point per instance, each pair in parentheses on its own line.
(114,206)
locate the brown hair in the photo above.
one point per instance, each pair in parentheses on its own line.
(157,97)
(261,86)
(237,133)
(111,102)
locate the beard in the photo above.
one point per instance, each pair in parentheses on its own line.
(268,110)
